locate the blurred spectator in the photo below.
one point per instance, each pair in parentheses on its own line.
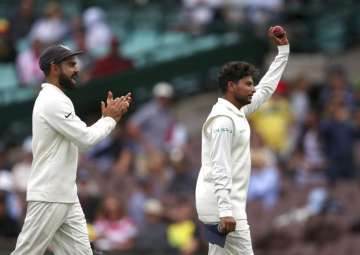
(21,21)
(273,121)
(27,64)
(257,143)
(124,161)
(299,100)
(112,63)
(200,13)
(152,234)
(7,50)
(9,227)
(182,232)
(159,174)
(52,27)
(337,136)
(118,181)
(86,61)
(183,181)
(310,163)
(136,201)
(97,32)
(337,88)
(21,170)
(14,207)
(235,11)
(263,13)
(113,152)
(89,194)
(153,125)
(76,39)
(112,163)
(114,229)
(264,180)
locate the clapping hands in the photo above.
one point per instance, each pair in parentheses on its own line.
(115,108)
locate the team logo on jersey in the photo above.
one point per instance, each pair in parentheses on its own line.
(67,115)
(222,130)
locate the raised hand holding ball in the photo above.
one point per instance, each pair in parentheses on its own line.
(278,35)
(278,31)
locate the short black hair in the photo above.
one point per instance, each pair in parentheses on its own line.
(235,71)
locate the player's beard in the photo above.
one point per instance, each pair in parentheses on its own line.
(243,100)
(66,82)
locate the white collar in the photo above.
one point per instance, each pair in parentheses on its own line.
(51,86)
(231,107)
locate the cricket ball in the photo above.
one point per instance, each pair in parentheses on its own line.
(278,31)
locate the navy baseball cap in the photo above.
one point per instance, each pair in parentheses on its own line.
(55,54)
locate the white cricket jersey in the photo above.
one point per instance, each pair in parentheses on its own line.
(58,134)
(223,180)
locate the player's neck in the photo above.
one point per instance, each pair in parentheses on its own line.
(54,81)
(232,100)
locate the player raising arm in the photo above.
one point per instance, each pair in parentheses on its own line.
(223,180)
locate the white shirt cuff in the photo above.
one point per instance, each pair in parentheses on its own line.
(284,49)
(109,119)
(225,213)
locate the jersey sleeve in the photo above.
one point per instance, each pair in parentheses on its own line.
(269,81)
(222,131)
(61,116)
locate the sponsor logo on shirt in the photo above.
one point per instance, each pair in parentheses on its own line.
(223,130)
(67,115)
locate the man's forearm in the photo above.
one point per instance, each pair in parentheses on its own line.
(270,80)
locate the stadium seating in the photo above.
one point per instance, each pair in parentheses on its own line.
(8,77)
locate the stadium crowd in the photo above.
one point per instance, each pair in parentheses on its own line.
(137,186)
(28,29)
(26,33)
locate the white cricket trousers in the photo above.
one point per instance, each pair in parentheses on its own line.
(60,226)
(237,242)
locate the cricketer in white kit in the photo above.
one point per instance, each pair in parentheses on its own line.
(54,217)
(222,184)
